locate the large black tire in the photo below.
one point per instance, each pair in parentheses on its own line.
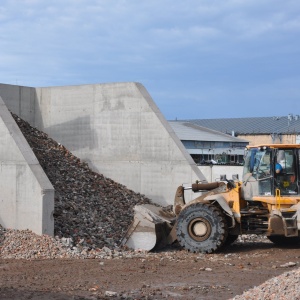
(283,240)
(202,228)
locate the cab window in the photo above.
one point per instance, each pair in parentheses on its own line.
(285,173)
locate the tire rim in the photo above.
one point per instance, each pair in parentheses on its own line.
(199,229)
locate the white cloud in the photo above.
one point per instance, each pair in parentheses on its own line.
(172,46)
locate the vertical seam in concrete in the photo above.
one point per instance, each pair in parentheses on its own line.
(20,113)
(93,119)
(34,104)
(140,142)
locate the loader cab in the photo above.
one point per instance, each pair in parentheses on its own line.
(268,168)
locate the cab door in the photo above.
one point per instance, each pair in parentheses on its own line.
(286,166)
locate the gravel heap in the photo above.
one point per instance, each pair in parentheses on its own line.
(24,244)
(90,210)
(284,287)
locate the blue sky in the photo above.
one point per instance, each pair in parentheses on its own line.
(198,59)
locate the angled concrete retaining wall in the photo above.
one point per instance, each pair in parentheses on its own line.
(27,196)
(116,128)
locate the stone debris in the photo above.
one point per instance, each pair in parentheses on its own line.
(111,294)
(284,287)
(252,238)
(288,265)
(90,210)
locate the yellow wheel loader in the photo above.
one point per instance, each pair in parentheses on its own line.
(266,201)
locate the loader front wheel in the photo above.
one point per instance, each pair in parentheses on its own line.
(202,228)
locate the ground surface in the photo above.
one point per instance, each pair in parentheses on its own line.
(170,274)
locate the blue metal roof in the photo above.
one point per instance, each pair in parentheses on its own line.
(248,126)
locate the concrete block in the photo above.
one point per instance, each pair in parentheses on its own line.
(27,196)
(21,100)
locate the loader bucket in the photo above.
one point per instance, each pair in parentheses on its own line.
(151,228)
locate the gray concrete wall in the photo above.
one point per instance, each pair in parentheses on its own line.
(213,172)
(20,100)
(27,196)
(116,128)
(120,132)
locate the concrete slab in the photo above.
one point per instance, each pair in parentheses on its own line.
(27,196)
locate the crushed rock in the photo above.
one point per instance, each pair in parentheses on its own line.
(284,287)
(91,210)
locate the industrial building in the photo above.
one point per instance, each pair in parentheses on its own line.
(209,146)
(272,130)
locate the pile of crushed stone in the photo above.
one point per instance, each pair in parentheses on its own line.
(90,209)
(25,244)
(284,287)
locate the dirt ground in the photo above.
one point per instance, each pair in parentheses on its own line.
(169,274)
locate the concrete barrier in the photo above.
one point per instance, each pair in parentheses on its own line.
(214,172)
(27,196)
(116,128)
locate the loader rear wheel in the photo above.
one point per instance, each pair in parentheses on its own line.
(202,228)
(283,240)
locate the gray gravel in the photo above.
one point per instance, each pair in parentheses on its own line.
(283,287)
(24,244)
(16,244)
(90,209)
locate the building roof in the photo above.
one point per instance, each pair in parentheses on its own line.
(250,126)
(187,131)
